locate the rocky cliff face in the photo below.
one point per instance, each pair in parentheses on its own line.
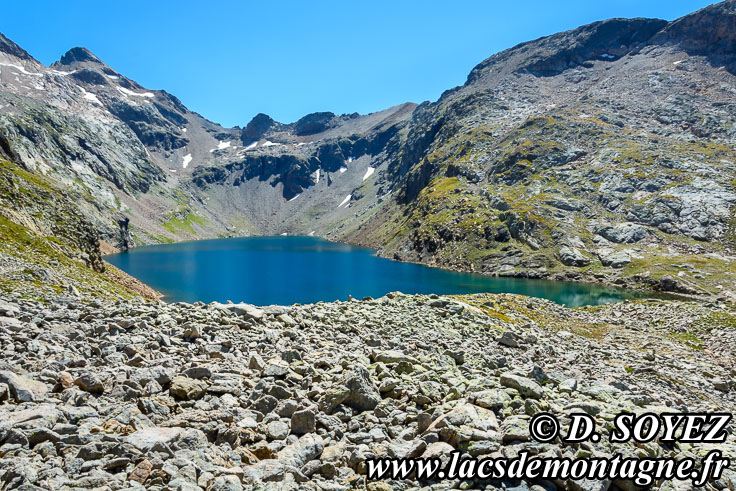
(604,153)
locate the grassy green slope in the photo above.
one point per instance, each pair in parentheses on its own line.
(47,247)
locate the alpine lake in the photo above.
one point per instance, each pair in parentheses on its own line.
(284,270)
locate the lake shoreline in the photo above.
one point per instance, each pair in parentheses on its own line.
(570,276)
(496,282)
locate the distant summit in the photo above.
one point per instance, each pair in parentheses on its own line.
(78,55)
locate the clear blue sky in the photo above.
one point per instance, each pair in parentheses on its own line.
(229,60)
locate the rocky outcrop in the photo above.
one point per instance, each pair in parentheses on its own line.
(38,203)
(717,42)
(257,128)
(541,139)
(314,123)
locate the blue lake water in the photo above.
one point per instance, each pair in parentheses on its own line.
(286,270)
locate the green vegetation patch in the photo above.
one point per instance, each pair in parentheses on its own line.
(176,224)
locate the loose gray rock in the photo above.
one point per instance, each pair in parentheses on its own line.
(23,389)
(187,388)
(303,421)
(525,386)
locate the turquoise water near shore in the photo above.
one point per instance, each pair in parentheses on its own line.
(286,270)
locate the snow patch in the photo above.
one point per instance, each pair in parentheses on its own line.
(350,159)
(269,144)
(130,92)
(22,70)
(607,56)
(187,159)
(295,196)
(368,173)
(347,198)
(90,97)
(223,145)
(284,234)
(62,74)
(311,234)
(184,130)
(316,176)
(112,77)
(343,169)
(251,146)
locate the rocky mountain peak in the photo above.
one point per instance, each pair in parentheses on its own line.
(256,128)
(9,47)
(314,123)
(78,55)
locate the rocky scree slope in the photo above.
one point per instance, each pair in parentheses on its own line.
(604,153)
(128,394)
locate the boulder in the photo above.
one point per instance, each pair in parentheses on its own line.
(356,390)
(393,356)
(515,428)
(363,394)
(277,430)
(623,233)
(141,472)
(526,387)
(41,416)
(145,439)
(243,309)
(198,372)
(187,388)
(571,256)
(466,422)
(307,448)
(303,421)
(89,382)
(510,339)
(276,367)
(226,483)
(613,258)
(493,399)
(22,388)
